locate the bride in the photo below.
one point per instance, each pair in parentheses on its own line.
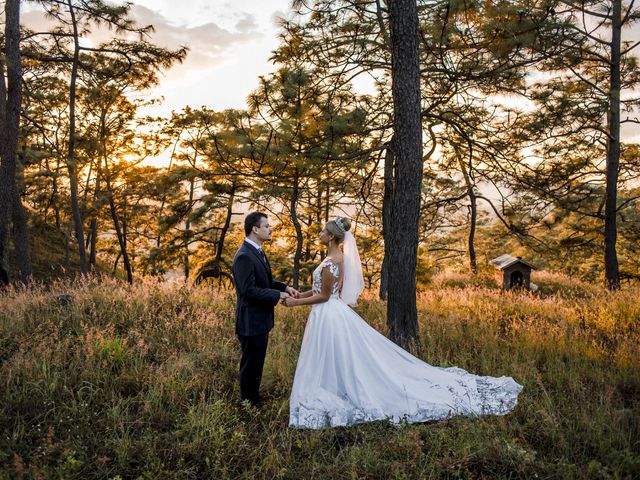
(349,373)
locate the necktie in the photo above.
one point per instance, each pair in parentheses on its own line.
(264,257)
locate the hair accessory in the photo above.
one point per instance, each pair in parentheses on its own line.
(338,222)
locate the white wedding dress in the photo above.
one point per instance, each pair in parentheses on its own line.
(348,373)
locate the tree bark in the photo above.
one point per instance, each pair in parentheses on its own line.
(92,236)
(116,224)
(10,104)
(115,263)
(54,196)
(21,239)
(389,167)
(5,179)
(125,236)
(227,224)
(319,208)
(612,276)
(67,248)
(120,236)
(187,233)
(327,204)
(402,314)
(121,231)
(93,244)
(71,158)
(19,219)
(316,215)
(296,225)
(473,213)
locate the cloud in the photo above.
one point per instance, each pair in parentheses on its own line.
(247,24)
(35,20)
(207,42)
(228,48)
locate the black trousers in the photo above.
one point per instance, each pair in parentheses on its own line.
(254,351)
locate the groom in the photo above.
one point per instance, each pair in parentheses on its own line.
(257,294)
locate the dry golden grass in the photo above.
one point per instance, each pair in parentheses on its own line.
(140,382)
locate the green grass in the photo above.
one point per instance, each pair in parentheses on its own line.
(141,382)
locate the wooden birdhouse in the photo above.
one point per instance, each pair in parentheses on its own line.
(513,272)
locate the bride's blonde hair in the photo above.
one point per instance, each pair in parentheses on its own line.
(338,227)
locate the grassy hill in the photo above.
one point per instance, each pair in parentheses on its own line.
(50,258)
(140,382)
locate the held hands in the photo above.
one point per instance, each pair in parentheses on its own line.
(288,296)
(292,292)
(290,302)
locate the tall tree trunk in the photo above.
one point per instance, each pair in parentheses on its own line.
(115,263)
(389,167)
(116,224)
(296,225)
(54,195)
(308,241)
(125,236)
(71,157)
(45,214)
(402,314)
(119,234)
(90,241)
(187,232)
(94,241)
(121,231)
(317,203)
(6,178)
(20,226)
(21,239)
(473,213)
(327,208)
(227,224)
(613,155)
(67,241)
(295,197)
(10,103)
(319,208)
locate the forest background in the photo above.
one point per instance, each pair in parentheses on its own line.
(516,109)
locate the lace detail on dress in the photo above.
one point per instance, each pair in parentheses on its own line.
(317,276)
(478,396)
(350,373)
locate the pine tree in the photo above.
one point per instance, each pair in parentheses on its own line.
(579,111)
(11,209)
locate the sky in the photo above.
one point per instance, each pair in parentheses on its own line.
(230,43)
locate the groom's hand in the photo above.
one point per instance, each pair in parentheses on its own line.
(293,292)
(284,295)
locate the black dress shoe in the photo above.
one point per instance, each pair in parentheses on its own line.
(249,404)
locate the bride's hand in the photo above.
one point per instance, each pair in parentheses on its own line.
(293,292)
(289,302)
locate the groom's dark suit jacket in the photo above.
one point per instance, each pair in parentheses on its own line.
(257,292)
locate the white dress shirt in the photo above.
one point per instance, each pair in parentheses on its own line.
(253,244)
